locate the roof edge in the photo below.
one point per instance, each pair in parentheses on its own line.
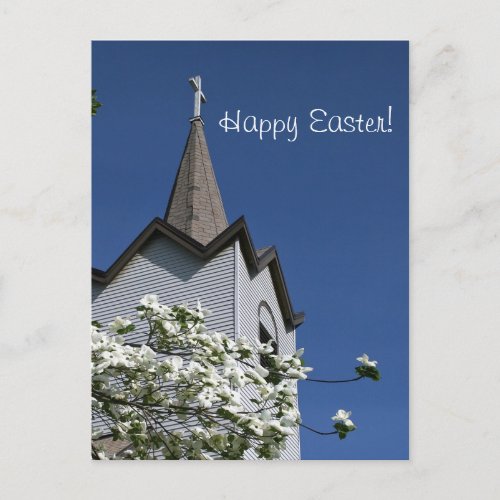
(237,229)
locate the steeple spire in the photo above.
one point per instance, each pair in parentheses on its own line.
(195,206)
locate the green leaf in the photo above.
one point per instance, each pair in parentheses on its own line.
(343,428)
(368,372)
(96,324)
(127,329)
(95,103)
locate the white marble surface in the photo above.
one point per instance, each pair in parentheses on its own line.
(45,247)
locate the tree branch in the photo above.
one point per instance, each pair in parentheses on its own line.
(318,432)
(333,381)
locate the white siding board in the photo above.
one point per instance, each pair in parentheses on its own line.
(165,268)
(253,289)
(223,284)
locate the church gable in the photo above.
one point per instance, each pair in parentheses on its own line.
(163,267)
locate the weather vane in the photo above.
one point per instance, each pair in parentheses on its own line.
(199,96)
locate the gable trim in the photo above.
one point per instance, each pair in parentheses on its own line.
(238,230)
(236,289)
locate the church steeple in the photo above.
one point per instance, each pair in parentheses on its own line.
(195,206)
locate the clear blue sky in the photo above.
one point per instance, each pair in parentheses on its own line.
(335,205)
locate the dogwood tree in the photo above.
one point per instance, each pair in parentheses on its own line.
(179,394)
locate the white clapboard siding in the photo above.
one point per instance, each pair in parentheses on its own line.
(164,268)
(252,290)
(223,284)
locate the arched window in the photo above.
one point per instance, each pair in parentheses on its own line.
(267,329)
(264,338)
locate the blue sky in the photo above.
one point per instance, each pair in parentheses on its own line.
(334,204)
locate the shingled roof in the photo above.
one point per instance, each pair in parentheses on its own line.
(195,206)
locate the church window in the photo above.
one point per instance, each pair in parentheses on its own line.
(264,338)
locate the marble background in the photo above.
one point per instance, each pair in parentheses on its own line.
(45,247)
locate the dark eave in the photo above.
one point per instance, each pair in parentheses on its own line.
(236,230)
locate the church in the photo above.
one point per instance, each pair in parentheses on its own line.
(192,253)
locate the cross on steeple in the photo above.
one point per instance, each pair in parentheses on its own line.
(195,206)
(199,96)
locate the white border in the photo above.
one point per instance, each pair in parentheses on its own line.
(45,247)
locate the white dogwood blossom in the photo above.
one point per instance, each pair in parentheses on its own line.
(368,368)
(365,361)
(177,395)
(343,417)
(118,324)
(343,424)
